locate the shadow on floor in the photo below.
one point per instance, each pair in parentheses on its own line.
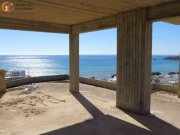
(156,125)
(1,94)
(108,125)
(92,109)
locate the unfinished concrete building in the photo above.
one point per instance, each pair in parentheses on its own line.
(133,20)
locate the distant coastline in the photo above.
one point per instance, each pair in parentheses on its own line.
(172,58)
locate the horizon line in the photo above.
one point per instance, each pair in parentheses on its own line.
(66,54)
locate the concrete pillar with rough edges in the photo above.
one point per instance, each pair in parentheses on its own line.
(179,80)
(178,92)
(2,81)
(74,62)
(134,34)
(179,88)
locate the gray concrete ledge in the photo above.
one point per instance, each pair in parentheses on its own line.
(167,88)
(89,81)
(24,81)
(98,83)
(112,86)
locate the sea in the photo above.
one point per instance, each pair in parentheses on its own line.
(98,66)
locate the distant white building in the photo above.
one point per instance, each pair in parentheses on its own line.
(113,79)
(166,79)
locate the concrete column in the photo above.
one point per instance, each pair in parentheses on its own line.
(134,34)
(179,80)
(179,88)
(179,91)
(2,81)
(74,62)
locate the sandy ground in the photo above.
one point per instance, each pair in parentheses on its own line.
(51,109)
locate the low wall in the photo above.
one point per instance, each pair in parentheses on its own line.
(94,82)
(112,86)
(24,81)
(167,88)
(98,83)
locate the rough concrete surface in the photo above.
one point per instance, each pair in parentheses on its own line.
(51,109)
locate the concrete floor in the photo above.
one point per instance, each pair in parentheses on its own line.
(52,110)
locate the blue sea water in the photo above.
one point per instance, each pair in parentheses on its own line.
(99,66)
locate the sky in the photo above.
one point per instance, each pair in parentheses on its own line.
(166,40)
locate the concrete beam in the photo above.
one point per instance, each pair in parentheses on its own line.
(155,13)
(134,61)
(28,25)
(98,24)
(74,62)
(163,11)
